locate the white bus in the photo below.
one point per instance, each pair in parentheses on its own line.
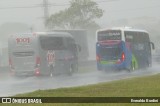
(43,53)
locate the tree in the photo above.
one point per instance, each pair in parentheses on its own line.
(80,14)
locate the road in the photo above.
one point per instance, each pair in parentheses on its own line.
(11,86)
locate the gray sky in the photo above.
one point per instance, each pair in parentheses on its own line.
(114,10)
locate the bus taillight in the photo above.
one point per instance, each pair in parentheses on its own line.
(123,56)
(37,67)
(98,58)
(10,62)
(38,61)
(12,71)
(37,72)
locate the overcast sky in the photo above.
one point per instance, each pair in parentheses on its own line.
(114,10)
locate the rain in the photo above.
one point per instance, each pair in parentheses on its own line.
(30,29)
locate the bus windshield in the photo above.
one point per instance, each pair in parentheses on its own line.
(112,52)
(52,43)
(109,35)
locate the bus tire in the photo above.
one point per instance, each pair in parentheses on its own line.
(132,67)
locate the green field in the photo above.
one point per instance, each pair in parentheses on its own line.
(148,86)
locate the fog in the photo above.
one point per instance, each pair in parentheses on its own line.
(139,13)
(18,16)
(13,11)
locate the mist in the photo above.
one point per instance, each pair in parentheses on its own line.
(26,16)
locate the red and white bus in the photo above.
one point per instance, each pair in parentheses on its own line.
(43,53)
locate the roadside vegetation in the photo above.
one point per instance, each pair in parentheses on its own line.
(147,86)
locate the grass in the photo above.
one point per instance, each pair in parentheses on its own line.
(144,86)
(134,87)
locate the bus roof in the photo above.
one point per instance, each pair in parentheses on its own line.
(56,34)
(69,30)
(123,29)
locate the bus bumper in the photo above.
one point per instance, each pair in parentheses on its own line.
(120,66)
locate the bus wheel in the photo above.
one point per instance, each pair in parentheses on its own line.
(132,67)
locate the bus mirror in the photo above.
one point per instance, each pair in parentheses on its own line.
(153,47)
